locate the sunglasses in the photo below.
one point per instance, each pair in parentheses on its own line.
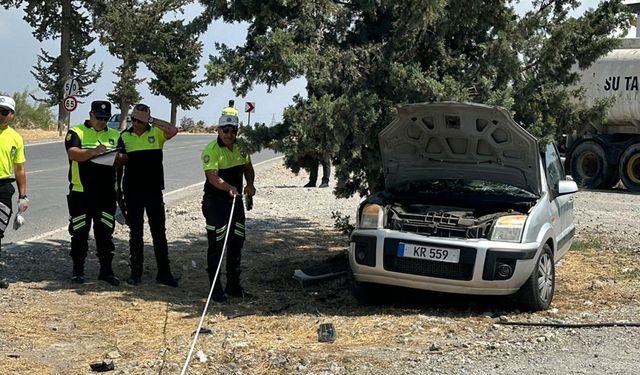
(5,112)
(102,118)
(136,120)
(227,129)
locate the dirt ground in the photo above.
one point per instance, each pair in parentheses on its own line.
(50,326)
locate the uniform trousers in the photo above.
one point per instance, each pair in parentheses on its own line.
(84,209)
(151,201)
(216,209)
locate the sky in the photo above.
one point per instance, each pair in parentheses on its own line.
(21,50)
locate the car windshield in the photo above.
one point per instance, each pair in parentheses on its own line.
(461,186)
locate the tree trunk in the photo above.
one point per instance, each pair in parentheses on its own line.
(65,62)
(174,113)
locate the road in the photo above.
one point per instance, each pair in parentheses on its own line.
(47,182)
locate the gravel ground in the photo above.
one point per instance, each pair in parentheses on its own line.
(291,227)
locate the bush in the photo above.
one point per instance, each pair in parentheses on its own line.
(31,116)
(188,125)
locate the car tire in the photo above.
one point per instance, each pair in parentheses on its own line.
(630,167)
(589,167)
(537,292)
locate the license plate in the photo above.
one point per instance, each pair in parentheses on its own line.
(438,254)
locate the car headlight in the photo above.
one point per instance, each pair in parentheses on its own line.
(372,217)
(508,228)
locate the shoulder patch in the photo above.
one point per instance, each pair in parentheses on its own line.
(68,138)
(112,141)
(205,158)
(13,150)
(151,139)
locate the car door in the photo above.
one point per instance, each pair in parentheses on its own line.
(563,203)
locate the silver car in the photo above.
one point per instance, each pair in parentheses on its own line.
(471,205)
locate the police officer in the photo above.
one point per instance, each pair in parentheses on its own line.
(141,150)
(11,158)
(92,195)
(230,110)
(224,166)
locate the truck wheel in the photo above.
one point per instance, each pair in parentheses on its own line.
(537,292)
(630,167)
(589,167)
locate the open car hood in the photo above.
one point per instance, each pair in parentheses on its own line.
(453,140)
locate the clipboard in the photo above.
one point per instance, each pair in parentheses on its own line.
(106,158)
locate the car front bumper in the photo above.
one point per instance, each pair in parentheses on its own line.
(373,258)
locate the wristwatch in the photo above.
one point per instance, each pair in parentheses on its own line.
(22,196)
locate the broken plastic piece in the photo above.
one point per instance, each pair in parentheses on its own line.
(305,279)
(205,331)
(102,366)
(326,333)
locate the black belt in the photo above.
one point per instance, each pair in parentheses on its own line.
(7,180)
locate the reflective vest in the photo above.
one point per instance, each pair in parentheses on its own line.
(87,175)
(11,151)
(230,111)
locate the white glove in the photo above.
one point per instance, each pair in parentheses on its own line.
(18,221)
(23,204)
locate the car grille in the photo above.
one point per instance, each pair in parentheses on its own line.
(455,271)
(440,224)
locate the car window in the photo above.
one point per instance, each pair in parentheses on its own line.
(553,168)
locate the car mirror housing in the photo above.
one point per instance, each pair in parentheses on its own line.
(567,187)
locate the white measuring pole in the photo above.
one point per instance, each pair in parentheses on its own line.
(185,368)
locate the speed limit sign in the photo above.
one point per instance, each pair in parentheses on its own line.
(70,103)
(71,86)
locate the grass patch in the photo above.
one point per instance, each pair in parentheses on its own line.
(583,245)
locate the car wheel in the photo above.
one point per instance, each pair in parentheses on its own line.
(630,167)
(537,292)
(589,166)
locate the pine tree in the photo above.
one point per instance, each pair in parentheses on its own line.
(362,59)
(64,19)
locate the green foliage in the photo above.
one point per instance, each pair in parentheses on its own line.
(49,21)
(342,222)
(174,63)
(31,116)
(362,59)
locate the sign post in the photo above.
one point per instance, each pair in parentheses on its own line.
(249,107)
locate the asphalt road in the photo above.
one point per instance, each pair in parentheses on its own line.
(47,182)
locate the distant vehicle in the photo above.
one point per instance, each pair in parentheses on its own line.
(600,153)
(471,205)
(114,122)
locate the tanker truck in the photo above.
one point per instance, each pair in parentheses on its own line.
(600,154)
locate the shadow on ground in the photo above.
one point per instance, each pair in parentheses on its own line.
(272,253)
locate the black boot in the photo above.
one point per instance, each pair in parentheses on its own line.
(4,284)
(235,290)
(165,277)
(78,271)
(106,273)
(218,292)
(136,276)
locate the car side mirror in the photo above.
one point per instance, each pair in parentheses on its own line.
(567,187)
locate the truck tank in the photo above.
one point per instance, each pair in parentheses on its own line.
(601,154)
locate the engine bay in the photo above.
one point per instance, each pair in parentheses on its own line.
(444,221)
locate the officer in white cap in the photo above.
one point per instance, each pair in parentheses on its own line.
(11,168)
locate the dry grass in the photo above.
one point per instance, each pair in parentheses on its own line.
(50,326)
(30,135)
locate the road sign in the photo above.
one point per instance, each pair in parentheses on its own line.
(250,107)
(71,87)
(70,103)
